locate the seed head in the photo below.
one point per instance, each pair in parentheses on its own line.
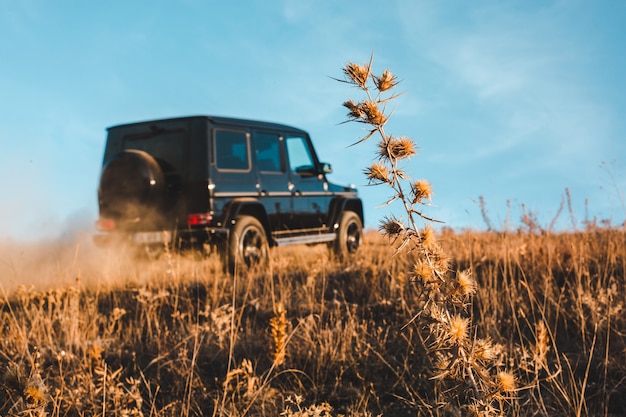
(373,115)
(397,148)
(439,259)
(541,348)
(442,363)
(457,329)
(505,381)
(386,81)
(484,350)
(35,391)
(423,271)
(391,227)
(355,110)
(377,172)
(428,237)
(422,190)
(278,330)
(358,74)
(465,283)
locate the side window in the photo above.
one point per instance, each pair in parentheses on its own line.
(232,151)
(268,152)
(300,159)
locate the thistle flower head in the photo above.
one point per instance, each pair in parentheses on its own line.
(428,238)
(423,271)
(358,74)
(457,328)
(505,381)
(386,81)
(422,190)
(439,259)
(355,110)
(391,227)
(377,172)
(373,115)
(483,350)
(35,395)
(35,391)
(397,148)
(465,283)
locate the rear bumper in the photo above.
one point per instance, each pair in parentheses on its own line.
(184,238)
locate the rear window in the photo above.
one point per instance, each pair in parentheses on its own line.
(232,150)
(166,146)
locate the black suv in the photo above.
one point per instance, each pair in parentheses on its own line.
(237,185)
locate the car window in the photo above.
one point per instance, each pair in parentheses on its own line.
(268,152)
(166,146)
(300,158)
(232,150)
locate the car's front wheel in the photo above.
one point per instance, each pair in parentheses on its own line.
(247,245)
(349,235)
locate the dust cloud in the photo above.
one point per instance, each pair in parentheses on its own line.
(61,262)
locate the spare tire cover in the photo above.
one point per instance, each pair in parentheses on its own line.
(131,180)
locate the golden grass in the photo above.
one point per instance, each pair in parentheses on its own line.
(174,336)
(415,323)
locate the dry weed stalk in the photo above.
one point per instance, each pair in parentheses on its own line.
(278,331)
(465,365)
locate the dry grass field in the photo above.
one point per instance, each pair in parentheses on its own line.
(416,323)
(90,332)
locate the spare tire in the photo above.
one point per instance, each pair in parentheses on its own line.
(131,182)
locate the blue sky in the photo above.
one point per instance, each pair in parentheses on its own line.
(509,100)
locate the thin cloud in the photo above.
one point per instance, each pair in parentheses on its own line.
(524,75)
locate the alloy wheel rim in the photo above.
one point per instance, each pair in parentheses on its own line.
(251,246)
(352,237)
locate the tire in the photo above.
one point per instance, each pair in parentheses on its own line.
(349,235)
(131,181)
(247,245)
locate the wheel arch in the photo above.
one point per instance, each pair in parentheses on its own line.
(248,206)
(341,204)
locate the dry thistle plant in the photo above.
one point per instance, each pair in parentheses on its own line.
(26,390)
(278,332)
(467,368)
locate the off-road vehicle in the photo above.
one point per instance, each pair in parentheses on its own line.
(240,186)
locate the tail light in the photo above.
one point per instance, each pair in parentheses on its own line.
(105,225)
(199,219)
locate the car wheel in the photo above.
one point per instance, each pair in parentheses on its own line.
(349,235)
(247,245)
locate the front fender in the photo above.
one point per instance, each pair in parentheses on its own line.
(340,204)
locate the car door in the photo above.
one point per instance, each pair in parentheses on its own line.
(232,175)
(273,179)
(308,184)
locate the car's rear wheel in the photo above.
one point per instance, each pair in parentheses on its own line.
(349,235)
(247,245)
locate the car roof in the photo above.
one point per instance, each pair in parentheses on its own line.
(218,120)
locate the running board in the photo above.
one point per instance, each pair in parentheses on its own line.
(305,239)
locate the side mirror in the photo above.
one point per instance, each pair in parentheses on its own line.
(326,168)
(305,170)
